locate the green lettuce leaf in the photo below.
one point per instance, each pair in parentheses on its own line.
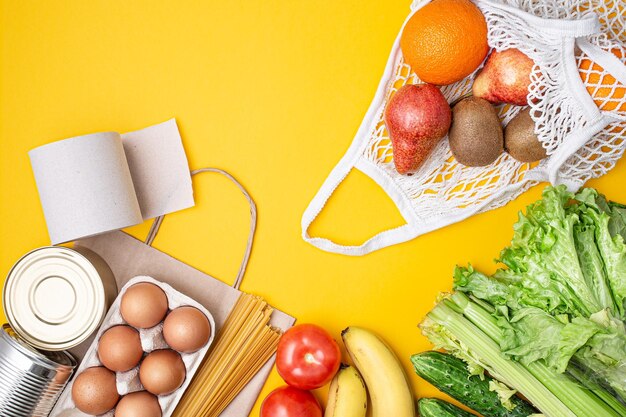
(591,262)
(609,221)
(617,223)
(604,354)
(531,335)
(505,394)
(515,290)
(543,246)
(598,343)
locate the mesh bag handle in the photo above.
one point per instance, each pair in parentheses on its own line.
(574,28)
(562,27)
(156,225)
(611,65)
(339,173)
(381,240)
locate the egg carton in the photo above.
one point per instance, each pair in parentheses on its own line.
(151,339)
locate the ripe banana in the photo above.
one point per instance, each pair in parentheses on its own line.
(384,377)
(347,396)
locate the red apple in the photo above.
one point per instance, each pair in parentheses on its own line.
(417,118)
(504,78)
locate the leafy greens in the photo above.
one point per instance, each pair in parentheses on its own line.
(557,307)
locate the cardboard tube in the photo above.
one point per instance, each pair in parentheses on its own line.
(85,186)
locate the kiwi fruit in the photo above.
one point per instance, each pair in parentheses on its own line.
(475,136)
(520,140)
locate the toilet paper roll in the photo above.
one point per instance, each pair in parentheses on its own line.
(90,185)
(85,186)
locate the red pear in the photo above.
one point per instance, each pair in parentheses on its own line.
(505,78)
(417,118)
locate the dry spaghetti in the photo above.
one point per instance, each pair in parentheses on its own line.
(245,343)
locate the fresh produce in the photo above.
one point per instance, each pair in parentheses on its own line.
(384,377)
(606,91)
(520,140)
(505,78)
(432,407)
(565,285)
(307,357)
(480,393)
(475,136)
(445,41)
(417,118)
(552,321)
(288,401)
(553,396)
(347,396)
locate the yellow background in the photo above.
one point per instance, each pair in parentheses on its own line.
(272,91)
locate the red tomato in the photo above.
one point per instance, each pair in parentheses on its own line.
(307,357)
(290,402)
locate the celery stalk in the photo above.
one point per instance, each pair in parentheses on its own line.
(511,373)
(581,401)
(602,393)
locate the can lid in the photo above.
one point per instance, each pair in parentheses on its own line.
(54,298)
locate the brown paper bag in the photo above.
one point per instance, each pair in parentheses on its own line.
(128,257)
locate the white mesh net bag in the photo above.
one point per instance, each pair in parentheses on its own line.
(577,102)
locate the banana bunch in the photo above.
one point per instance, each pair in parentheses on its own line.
(384,377)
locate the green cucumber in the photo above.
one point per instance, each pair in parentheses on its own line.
(450,375)
(432,407)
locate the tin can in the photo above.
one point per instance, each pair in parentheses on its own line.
(30,381)
(55,297)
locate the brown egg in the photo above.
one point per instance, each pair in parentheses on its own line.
(120,349)
(138,404)
(186,329)
(94,391)
(162,372)
(143,305)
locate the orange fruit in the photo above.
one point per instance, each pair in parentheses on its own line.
(605,90)
(445,41)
